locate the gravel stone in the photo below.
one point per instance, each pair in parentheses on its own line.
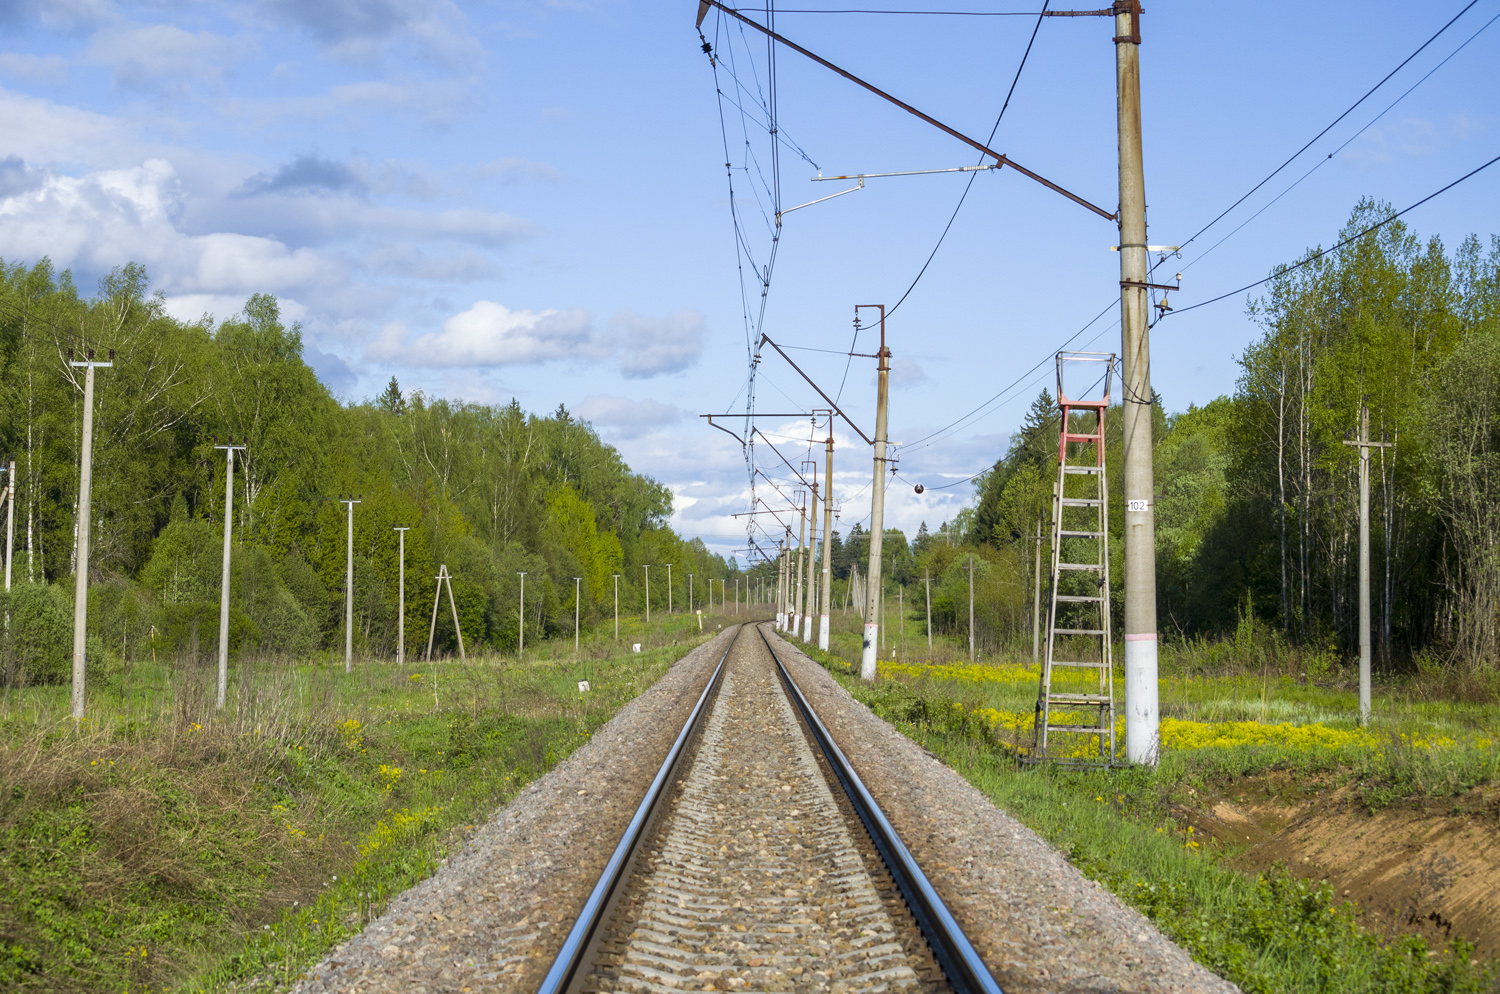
(1039,924)
(493,918)
(755,877)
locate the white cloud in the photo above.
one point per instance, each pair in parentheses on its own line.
(491,334)
(519,169)
(361,31)
(37,70)
(162,56)
(652,346)
(906,373)
(628,418)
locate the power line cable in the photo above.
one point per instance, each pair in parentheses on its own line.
(1347,142)
(970,184)
(1320,134)
(1284,270)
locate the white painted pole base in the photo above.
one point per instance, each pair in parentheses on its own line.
(1142,717)
(807,629)
(796,625)
(779,619)
(867,654)
(823,632)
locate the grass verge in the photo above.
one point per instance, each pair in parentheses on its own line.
(161,845)
(1268,932)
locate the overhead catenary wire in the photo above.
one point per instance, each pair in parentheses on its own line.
(977,413)
(1320,253)
(1351,108)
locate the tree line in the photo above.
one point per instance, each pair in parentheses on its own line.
(491,491)
(1257,493)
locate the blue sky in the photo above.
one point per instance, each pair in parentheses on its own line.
(529,198)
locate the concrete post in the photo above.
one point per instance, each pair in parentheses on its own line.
(796,587)
(401,597)
(85,492)
(826,589)
(648,593)
(577,602)
(349,591)
(521,619)
(873,579)
(223,689)
(617,605)
(1142,717)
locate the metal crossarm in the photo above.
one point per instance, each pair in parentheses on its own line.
(1075,710)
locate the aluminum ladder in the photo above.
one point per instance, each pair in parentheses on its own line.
(1075,708)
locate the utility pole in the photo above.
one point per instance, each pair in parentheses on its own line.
(1036,599)
(349,590)
(971,607)
(826,589)
(873,580)
(10,523)
(927,582)
(809,607)
(401,597)
(797,587)
(577,601)
(648,593)
(1142,715)
(1365,445)
(521,618)
(617,605)
(85,491)
(229,449)
(669,587)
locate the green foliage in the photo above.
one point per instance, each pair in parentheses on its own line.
(487,490)
(38,646)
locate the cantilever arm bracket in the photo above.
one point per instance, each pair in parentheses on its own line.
(704,5)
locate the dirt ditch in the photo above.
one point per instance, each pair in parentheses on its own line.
(1429,868)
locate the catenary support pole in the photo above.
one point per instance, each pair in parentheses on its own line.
(1142,731)
(873,579)
(648,593)
(825,589)
(85,491)
(349,589)
(223,686)
(669,587)
(809,605)
(796,619)
(401,595)
(577,601)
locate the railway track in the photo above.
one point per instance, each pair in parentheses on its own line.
(758,861)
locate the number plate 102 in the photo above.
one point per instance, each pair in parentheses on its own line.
(1135,505)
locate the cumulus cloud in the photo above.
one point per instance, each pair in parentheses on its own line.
(161,56)
(627,418)
(907,373)
(362,30)
(651,346)
(303,175)
(518,169)
(37,70)
(491,334)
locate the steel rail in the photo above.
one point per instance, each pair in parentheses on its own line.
(965,971)
(571,956)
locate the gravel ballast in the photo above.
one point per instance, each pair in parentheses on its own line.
(1039,924)
(493,918)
